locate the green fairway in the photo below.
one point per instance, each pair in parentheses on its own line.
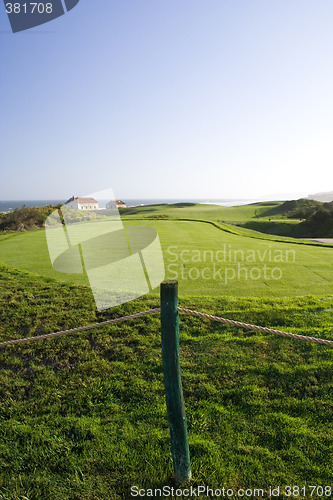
(28,251)
(206,260)
(240,213)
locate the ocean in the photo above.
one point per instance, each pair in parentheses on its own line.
(8,205)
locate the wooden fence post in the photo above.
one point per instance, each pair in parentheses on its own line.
(172,381)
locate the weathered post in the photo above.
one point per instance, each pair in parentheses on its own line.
(172,381)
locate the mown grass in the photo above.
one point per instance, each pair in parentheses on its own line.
(83,416)
(234,214)
(208,258)
(265,217)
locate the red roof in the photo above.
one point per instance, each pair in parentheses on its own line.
(81,200)
(85,200)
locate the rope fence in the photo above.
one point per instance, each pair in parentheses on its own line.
(81,328)
(255,327)
(171,364)
(180,309)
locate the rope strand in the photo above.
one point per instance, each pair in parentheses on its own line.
(180,309)
(254,327)
(81,328)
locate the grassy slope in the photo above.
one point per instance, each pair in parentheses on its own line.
(83,416)
(265,217)
(199,211)
(280,227)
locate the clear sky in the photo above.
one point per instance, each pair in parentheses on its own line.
(169,99)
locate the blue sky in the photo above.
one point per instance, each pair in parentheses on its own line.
(169,99)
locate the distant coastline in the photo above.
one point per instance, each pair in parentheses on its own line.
(6,206)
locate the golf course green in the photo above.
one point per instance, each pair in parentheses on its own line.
(212,259)
(83,416)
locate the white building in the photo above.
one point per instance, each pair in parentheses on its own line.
(78,203)
(116,204)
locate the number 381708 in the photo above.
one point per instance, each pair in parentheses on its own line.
(29,8)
